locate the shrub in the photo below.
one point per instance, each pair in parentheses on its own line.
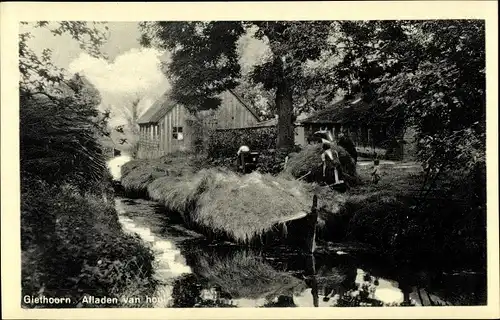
(58,140)
(73,245)
(225,143)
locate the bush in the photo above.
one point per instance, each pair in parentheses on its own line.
(73,245)
(225,143)
(58,140)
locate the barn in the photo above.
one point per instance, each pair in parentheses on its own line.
(168,127)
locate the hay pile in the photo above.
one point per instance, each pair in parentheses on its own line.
(242,207)
(309,160)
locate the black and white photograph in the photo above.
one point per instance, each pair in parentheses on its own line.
(225,163)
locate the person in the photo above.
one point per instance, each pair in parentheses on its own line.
(242,151)
(330,159)
(347,143)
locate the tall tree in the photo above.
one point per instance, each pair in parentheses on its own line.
(205,61)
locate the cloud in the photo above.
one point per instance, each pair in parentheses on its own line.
(252,51)
(135,73)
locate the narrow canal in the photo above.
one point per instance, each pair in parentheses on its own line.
(194,272)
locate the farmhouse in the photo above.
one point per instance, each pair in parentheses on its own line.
(370,131)
(168,127)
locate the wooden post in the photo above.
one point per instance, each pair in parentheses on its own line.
(311,222)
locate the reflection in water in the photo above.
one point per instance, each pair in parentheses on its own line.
(197,273)
(170,264)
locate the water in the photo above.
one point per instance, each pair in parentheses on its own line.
(115,165)
(194,272)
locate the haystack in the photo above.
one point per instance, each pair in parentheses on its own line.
(309,161)
(241,207)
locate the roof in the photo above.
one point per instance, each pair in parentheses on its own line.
(158,110)
(345,111)
(164,104)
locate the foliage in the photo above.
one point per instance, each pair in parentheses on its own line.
(74,245)
(430,72)
(225,143)
(58,117)
(392,216)
(58,137)
(38,73)
(72,242)
(201,53)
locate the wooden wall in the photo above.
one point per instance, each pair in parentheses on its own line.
(149,142)
(177,117)
(232,114)
(157,139)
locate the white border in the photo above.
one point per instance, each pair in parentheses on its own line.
(12,13)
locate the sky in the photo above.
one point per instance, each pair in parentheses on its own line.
(130,70)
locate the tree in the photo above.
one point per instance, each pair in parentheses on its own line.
(129,132)
(60,124)
(431,73)
(204,61)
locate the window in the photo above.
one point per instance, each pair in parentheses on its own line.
(177,133)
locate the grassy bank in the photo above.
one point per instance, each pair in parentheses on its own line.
(390,216)
(73,246)
(137,175)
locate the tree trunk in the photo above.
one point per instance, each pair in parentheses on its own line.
(284,105)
